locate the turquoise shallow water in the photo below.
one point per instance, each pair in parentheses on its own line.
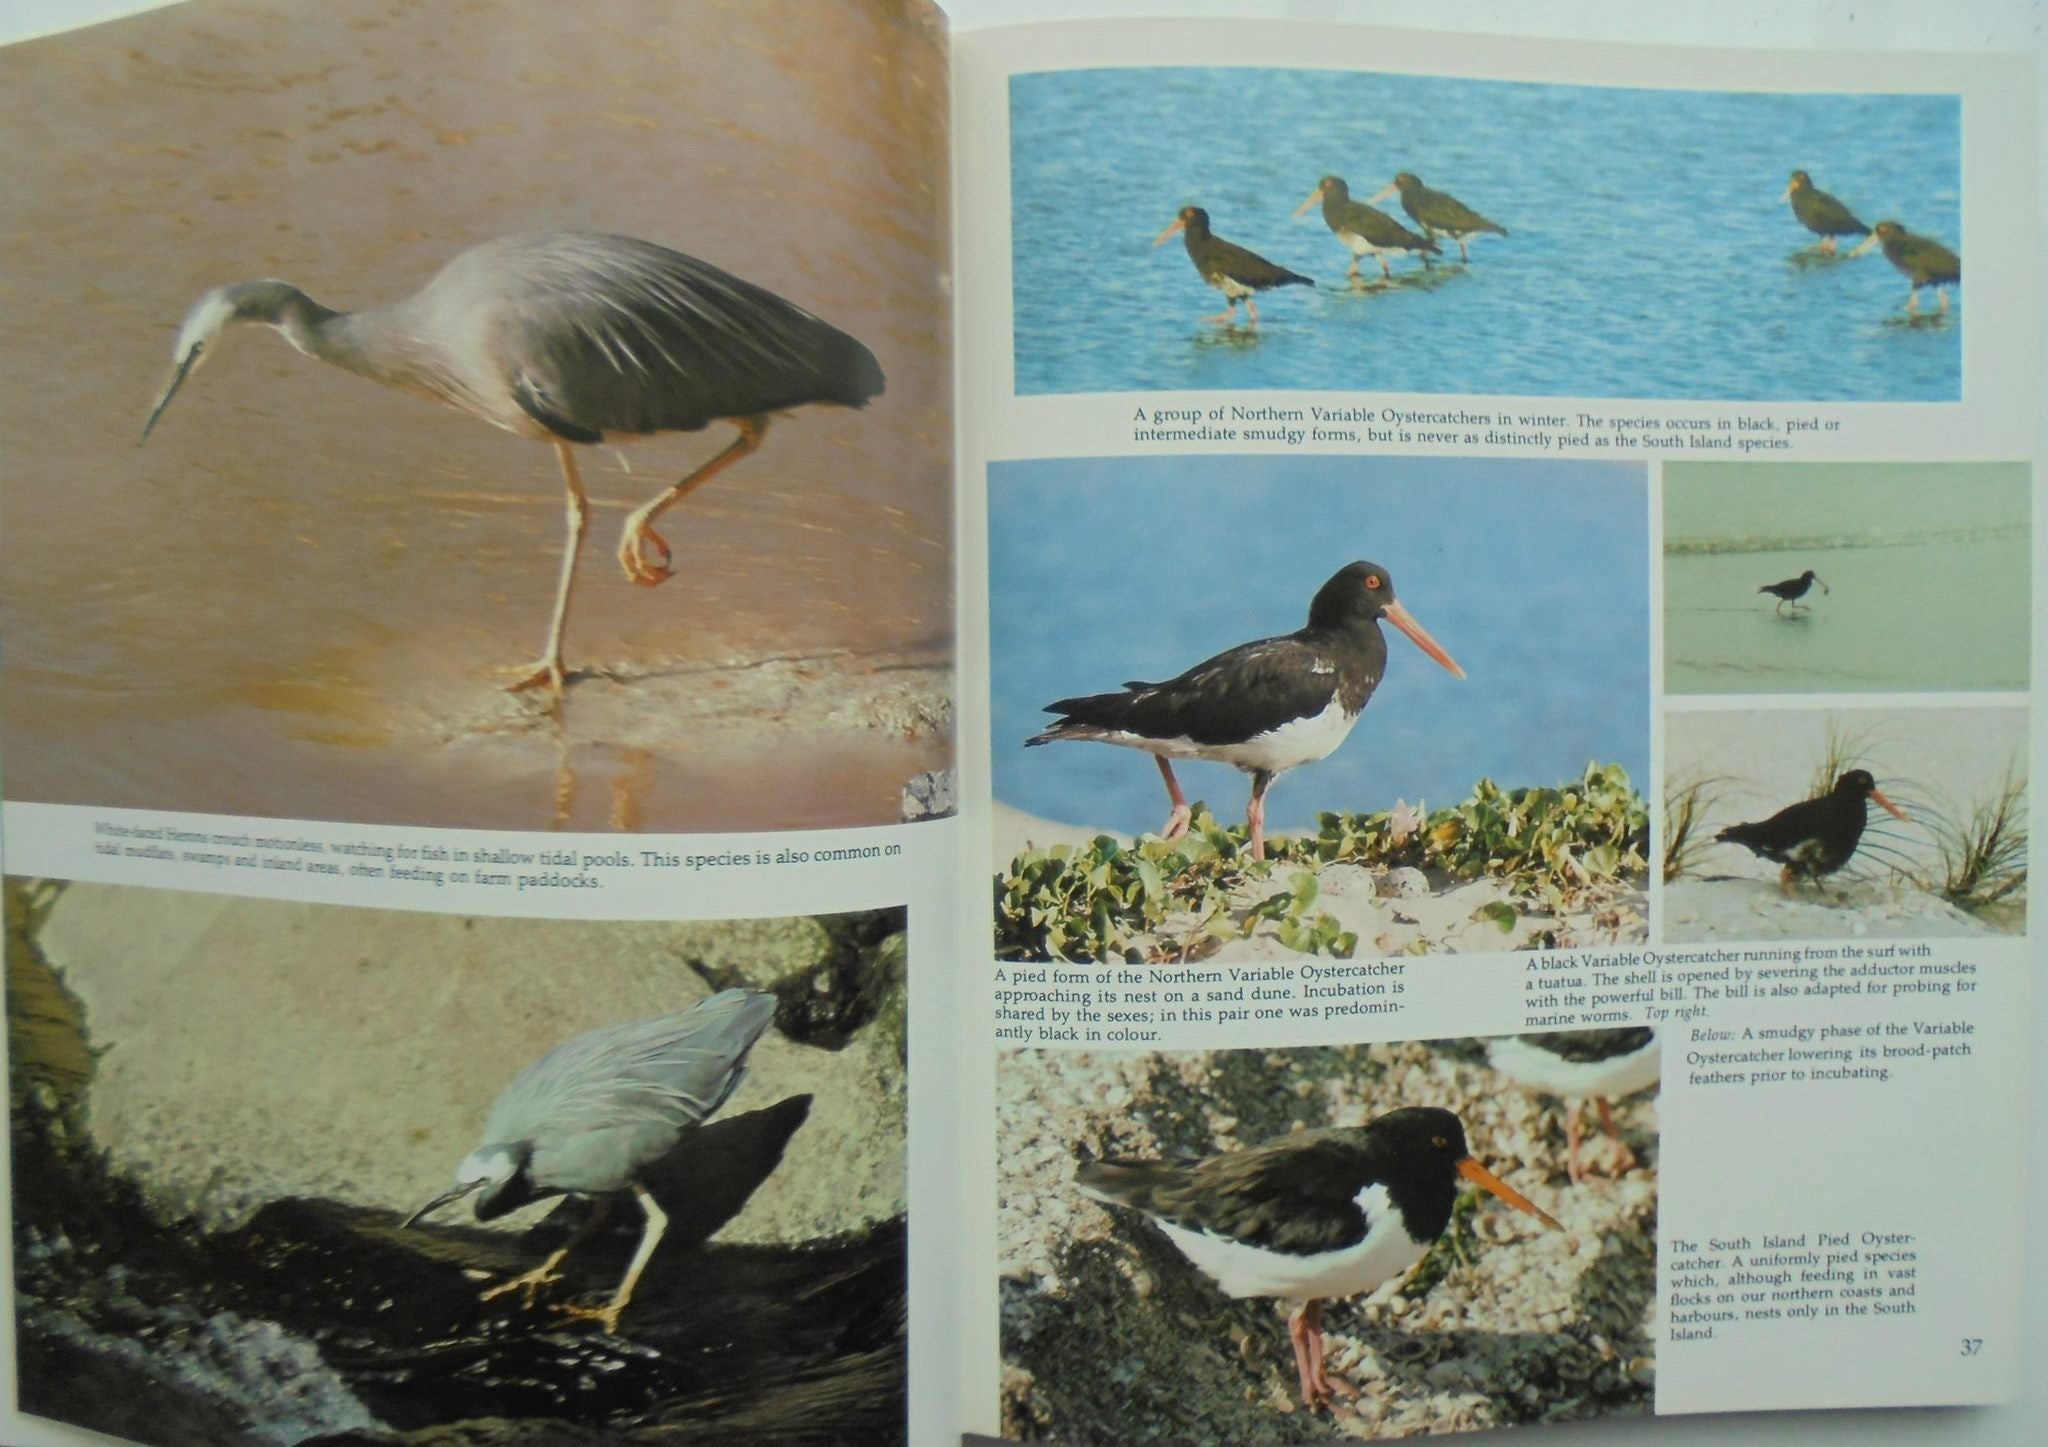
(1650,254)
(1928,573)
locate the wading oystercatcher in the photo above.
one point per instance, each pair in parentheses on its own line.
(1237,273)
(1815,836)
(1793,589)
(1365,229)
(1821,213)
(1925,261)
(1438,213)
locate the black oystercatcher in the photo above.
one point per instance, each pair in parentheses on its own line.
(1815,836)
(1310,1215)
(1793,589)
(1264,707)
(1925,261)
(1237,273)
(1439,213)
(1365,228)
(1821,213)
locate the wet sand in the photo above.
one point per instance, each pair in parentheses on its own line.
(303,596)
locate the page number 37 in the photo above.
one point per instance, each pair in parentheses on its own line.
(1972,1345)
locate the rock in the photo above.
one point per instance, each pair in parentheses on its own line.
(929,795)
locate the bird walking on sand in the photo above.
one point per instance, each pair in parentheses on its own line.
(1438,212)
(572,339)
(1577,1065)
(1365,229)
(1815,836)
(1923,260)
(1821,213)
(591,1116)
(1791,590)
(1309,1216)
(1239,274)
(1265,707)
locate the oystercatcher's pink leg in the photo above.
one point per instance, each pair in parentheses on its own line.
(1386,270)
(1176,822)
(1251,305)
(1628,1157)
(1255,812)
(1571,1141)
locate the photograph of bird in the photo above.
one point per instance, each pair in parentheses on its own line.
(1309,1216)
(1438,212)
(1365,229)
(1581,1065)
(1263,707)
(595,1115)
(1821,213)
(1923,260)
(573,339)
(1815,837)
(1791,590)
(1239,274)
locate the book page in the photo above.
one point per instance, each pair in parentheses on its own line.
(1443,456)
(478,761)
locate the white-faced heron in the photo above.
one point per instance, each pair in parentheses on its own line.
(595,1112)
(571,338)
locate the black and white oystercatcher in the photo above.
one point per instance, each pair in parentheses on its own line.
(1821,213)
(1365,229)
(1815,836)
(1925,261)
(1311,1215)
(1582,1065)
(1237,273)
(1793,589)
(1265,707)
(1438,213)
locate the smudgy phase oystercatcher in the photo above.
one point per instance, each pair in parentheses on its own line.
(1577,1065)
(1793,589)
(1237,273)
(1438,212)
(1365,228)
(1925,261)
(1311,1215)
(1265,707)
(1821,213)
(1815,836)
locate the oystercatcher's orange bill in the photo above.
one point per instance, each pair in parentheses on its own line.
(1178,222)
(1893,809)
(1313,197)
(1402,619)
(1478,1175)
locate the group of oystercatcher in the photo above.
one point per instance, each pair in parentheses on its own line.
(1240,274)
(1318,1215)
(1923,260)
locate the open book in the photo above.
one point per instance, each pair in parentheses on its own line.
(1395,802)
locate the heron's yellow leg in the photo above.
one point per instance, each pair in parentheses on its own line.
(549,671)
(643,553)
(650,1237)
(529,1284)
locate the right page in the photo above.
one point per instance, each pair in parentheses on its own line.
(1509,578)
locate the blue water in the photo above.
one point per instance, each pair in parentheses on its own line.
(1532,575)
(1650,255)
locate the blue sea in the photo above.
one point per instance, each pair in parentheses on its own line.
(1649,254)
(1532,575)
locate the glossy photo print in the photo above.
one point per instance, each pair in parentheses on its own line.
(286,1172)
(482,483)
(1227,228)
(1474,1253)
(1249,707)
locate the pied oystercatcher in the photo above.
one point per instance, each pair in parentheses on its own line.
(1578,1065)
(1439,213)
(1266,706)
(1365,228)
(1237,273)
(1815,836)
(1309,1215)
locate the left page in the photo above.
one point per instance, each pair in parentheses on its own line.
(475,772)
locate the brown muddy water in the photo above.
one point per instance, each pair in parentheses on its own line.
(302,598)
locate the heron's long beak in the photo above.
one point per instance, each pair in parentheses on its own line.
(1865,245)
(1890,808)
(1402,619)
(455,1194)
(163,398)
(1313,197)
(1177,224)
(1478,1175)
(1383,193)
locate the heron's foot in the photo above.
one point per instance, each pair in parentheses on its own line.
(644,553)
(528,1286)
(606,1316)
(548,674)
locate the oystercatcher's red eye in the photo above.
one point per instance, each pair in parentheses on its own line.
(1439,1142)
(1374,580)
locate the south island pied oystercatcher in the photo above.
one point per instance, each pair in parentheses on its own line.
(1793,589)
(1311,1215)
(1821,213)
(1438,212)
(1815,836)
(1239,274)
(1265,707)
(1582,1065)
(1923,260)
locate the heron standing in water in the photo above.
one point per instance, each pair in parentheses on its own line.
(571,338)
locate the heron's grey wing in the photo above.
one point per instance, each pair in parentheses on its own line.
(665,1074)
(611,334)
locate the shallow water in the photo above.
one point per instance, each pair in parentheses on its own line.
(1532,575)
(302,597)
(1649,254)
